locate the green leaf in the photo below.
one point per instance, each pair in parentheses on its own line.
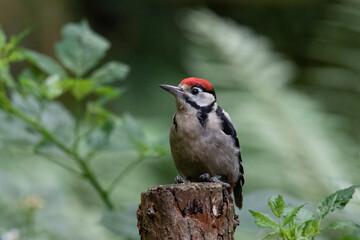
(45,63)
(30,87)
(80,88)
(337,200)
(310,229)
(303,215)
(17,55)
(108,93)
(264,220)
(81,48)
(271,234)
(101,115)
(276,205)
(290,216)
(284,231)
(111,72)
(52,86)
(340,225)
(350,238)
(33,73)
(14,40)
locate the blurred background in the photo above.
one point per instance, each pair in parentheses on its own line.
(287,72)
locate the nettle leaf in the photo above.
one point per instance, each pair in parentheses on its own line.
(340,225)
(45,63)
(276,205)
(111,72)
(337,200)
(264,220)
(285,232)
(290,216)
(303,215)
(310,229)
(271,234)
(81,48)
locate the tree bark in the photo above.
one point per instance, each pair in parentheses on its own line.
(187,211)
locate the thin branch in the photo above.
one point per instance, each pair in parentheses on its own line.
(123,173)
(49,157)
(86,171)
(79,136)
(77,129)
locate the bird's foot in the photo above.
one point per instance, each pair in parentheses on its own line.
(216,179)
(179,179)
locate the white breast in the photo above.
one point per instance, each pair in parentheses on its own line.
(197,150)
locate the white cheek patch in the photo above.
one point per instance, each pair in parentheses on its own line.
(204,99)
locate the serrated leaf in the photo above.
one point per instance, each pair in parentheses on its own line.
(45,63)
(110,72)
(337,200)
(276,205)
(290,216)
(264,220)
(339,225)
(310,229)
(271,234)
(303,215)
(81,48)
(285,232)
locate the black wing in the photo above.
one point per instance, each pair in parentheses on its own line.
(229,129)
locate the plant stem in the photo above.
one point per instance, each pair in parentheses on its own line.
(49,158)
(87,173)
(127,169)
(77,125)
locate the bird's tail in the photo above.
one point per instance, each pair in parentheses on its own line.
(238,195)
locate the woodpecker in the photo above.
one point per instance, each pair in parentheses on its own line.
(203,141)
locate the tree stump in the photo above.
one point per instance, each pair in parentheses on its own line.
(187,211)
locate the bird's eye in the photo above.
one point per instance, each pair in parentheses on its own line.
(195,91)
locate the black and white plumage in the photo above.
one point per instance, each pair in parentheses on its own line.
(203,141)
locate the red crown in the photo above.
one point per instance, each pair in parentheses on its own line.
(192,81)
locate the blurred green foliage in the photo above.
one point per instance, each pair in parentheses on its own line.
(296,112)
(299,222)
(33,101)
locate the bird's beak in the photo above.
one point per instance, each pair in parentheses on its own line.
(176,91)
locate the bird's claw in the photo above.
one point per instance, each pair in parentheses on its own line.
(179,179)
(216,179)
